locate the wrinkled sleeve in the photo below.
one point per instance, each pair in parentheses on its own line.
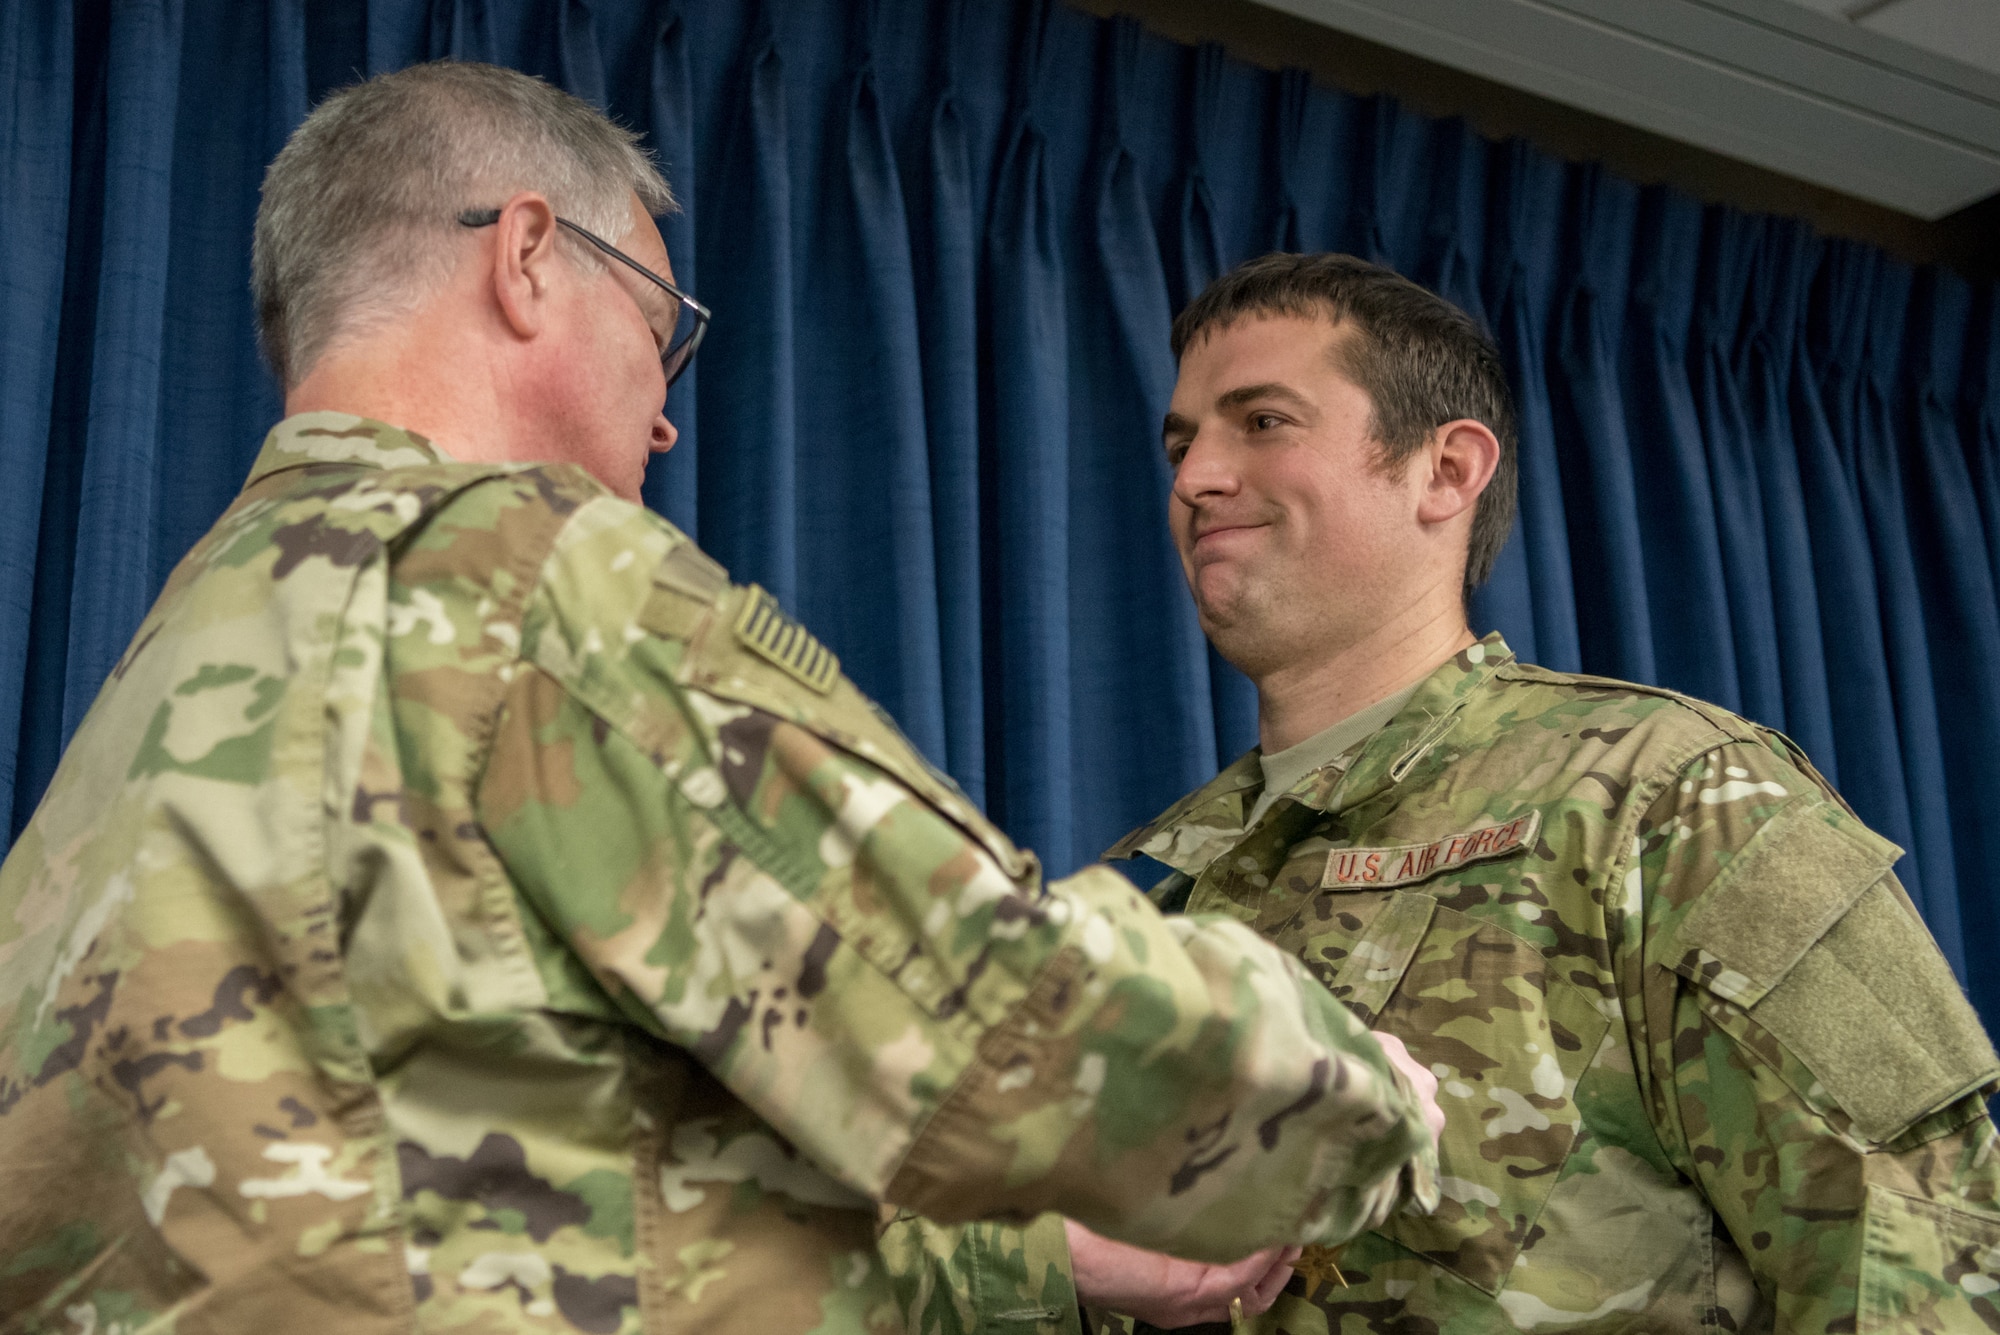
(756,873)
(963,1279)
(1812,1061)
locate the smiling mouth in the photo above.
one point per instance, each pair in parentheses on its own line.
(1221,530)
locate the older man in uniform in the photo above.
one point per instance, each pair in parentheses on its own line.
(464,909)
(1702,1067)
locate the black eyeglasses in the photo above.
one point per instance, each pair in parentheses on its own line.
(678,327)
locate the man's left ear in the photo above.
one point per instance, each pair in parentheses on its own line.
(1461,456)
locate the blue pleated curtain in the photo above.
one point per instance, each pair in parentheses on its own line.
(943,242)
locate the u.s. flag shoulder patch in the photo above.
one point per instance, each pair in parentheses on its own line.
(765,630)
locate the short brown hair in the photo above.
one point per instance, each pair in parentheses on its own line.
(1421,360)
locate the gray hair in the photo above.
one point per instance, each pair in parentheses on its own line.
(360,208)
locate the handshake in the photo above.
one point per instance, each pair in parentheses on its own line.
(1168,1292)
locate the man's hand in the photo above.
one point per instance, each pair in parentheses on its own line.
(1169,1292)
(1166,1291)
(1420,1078)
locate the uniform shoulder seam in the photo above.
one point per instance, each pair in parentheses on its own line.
(1730,725)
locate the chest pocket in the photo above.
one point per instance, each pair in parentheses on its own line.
(1509,1040)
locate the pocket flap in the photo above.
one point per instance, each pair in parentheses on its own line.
(1806,933)
(1369,975)
(1802,870)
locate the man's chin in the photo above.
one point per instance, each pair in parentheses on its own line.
(1225,624)
(1240,625)
(1222,599)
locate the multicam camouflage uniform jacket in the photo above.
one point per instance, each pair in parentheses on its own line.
(1702,1067)
(464,910)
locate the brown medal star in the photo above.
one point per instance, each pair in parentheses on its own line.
(1320,1264)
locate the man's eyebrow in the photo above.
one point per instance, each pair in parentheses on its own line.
(1242,394)
(1176,425)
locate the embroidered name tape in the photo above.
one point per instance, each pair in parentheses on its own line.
(1402,863)
(765,630)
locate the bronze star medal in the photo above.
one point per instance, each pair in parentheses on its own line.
(1318,1265)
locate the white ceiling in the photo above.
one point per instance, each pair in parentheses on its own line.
(1963,30)
(1895,101)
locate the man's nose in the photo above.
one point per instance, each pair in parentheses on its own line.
(1204,470)
(665,433)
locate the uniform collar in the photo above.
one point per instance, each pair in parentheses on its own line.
(341,438)
(1207,822)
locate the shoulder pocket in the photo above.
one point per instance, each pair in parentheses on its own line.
(1775,899)
(743,653)
(1808,934)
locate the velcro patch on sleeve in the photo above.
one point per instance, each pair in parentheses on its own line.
(1400,864)
(1806,931)
(764,629)
(1799,873)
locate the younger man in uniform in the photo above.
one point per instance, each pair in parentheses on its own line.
(1701,1065)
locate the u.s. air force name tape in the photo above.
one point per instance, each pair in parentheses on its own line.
(1400,864)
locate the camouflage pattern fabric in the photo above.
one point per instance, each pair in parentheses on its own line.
(1702,1067)
(981,1279)
(464,910)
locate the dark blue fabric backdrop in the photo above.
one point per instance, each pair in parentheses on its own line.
(943,242)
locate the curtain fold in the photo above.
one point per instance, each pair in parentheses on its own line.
(1688,514)
(1762,365)
(861,292)
(1874,291)
(1979,419)
(1506,601)
(943,243)
(749,488)
(579,66)
(461,30)
(1731,255)
(36,45)
(215,395)
(1288,138)
(944,266)
(1024,339)
(116,509)
(1594,451)
(1866,747)
(1523,266)
(1945,529)
(1146,742)
(1198,232)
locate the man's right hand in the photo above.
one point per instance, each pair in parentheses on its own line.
(1166,1291)
(1419,1077)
